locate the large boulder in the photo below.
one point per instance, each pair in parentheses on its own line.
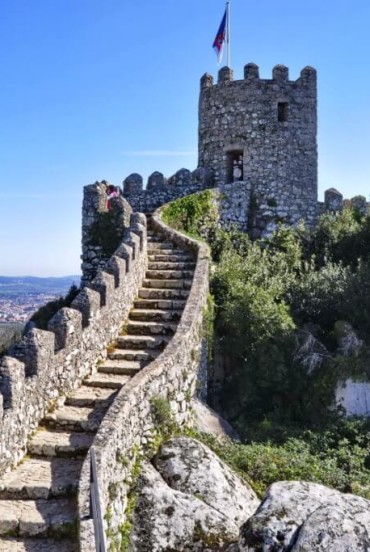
(192,468)
(297,516)
(167,520)
(207,420)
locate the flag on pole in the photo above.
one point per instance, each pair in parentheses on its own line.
(218,44)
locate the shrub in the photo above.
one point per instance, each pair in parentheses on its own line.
(42,316)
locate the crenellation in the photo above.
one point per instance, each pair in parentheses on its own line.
(133,240)
(251,71)
(104,284)
(156,181)
(182,183)
(133,184)
(333,200)
(66,324)
(125,251)
(88,303)
(308,77)
(47,365)
(12,382)
(225,75)
(206,81)
(280,73)
(117,267)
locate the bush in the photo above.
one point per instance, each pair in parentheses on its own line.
(336,456)
(195,214)
(42,316)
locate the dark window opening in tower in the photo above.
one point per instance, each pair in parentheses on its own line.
(283,112)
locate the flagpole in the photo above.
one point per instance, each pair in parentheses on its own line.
(228,32)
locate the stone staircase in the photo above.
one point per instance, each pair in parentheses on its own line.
(38,498)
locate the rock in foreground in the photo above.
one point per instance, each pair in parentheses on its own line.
(168,520)
(305,517)
(189,501)
(192,468)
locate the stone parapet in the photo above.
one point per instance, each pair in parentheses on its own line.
(160,190)
(129,424)
(94,226)
(48,365)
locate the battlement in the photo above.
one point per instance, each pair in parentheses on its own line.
(260,130)
(280,75)
(160,190)
(48,364)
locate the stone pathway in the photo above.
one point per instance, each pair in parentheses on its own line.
(38,498)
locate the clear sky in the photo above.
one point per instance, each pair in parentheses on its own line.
(98,89)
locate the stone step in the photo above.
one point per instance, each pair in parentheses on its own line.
(75,418)
(170,257)
(134,357)
(60,443)
(166,252)
(37,478)
(90,396)
(150,328)
(119,367)
(30,518)
(154,238)
(110,381)
(169,274)
(38,545)
(154,247)
(162,304)
(152,293)
(167,284)
(155,315)
(170,265)
(141,342)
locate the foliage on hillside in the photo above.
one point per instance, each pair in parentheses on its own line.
(42,316)
(9,334)
(337,456)
(293,319)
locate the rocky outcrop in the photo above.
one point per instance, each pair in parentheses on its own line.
(168,520)
(192,468)
(207,420)
(297,516)
(189,500)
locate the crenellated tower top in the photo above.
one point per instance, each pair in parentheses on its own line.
(261,131)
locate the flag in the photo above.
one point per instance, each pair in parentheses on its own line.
(220,38)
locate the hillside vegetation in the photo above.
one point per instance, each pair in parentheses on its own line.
(9,333)
(292,319)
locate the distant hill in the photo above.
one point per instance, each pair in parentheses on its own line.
(18,285)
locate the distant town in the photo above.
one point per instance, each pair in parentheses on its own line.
(22,296)
(20,308)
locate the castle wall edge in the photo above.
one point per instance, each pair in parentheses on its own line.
(47,365)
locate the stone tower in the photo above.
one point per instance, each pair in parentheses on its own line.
(262,132)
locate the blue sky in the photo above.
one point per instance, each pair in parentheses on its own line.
(94,89)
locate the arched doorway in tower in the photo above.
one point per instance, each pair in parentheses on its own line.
(234,165)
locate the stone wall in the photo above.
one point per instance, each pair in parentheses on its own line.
(160,190)
(269,127)
(354,397)
(258,210)
(100,227)
(47,365)
(129,425)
